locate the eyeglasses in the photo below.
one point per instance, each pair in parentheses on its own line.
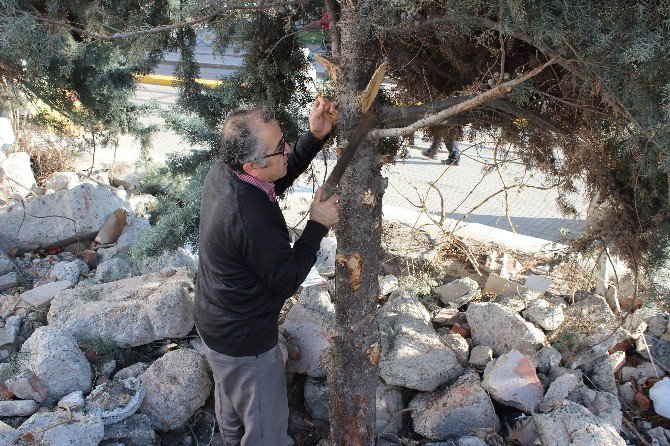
(281,147)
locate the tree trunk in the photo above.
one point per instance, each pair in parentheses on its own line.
(353,375)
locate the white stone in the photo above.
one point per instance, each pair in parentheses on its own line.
(512,380)
(458,292)
(58,429)
(325,257)
(78,214)
(387,284)
(19,177)
(660,395)
(545,315)
(502,329)
(413,355)
(44,294)
(131,312)
(170,260)
(72,401)
(177,385)
(573,424)
(559,391)
(6,265)
(61,180)
(54,357)
(114,401)
(308,326)
(9,280)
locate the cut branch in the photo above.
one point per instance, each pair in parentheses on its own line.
(163,28)
(461,107)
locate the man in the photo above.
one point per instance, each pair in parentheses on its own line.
(248,268)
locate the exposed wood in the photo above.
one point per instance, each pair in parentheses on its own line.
(370,93)
(329,65)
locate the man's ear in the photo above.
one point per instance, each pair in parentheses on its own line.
(249,168)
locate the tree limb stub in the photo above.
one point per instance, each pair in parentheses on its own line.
(461,107)
(163,28)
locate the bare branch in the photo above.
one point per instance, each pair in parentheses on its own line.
(163,28)
(466,105)
(333,28)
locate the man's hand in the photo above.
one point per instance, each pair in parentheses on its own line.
(328,212)
(320,122)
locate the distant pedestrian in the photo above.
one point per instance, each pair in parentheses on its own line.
(431,152)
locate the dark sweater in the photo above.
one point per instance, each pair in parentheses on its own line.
(247,267)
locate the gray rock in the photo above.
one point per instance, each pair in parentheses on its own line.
(133,431)
(572,423)
(480,356)
(26,385)
(458,292)
(511,380)
(447,316)
(72,401)
(662,436)
(54,357)
(170,260)
(42,295)
(107,368)
(18,408)
(9,280)
(459,345)
(86,204)
(503,329)
(6,265)
(132,371)
(56,429)
(541,313)
(7,433)
(177,385)
(130,312)
(69,271)
(547,358)
(657,325)
(389,403)
(454,411)
(61,180)
(308,327)
(604,405)
(113,270)
(114,401)
(10,330)
(559,391)
(601,372)
(413,355)
(627,393)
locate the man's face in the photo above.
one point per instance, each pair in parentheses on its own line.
(272,139)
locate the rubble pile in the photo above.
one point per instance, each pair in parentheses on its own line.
(492,358)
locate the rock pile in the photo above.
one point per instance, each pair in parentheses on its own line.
(506,360)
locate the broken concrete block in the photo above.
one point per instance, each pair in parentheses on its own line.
(42,295)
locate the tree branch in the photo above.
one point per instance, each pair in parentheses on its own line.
(162,28)
(461,107)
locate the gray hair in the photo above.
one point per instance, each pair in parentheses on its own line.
(239,145)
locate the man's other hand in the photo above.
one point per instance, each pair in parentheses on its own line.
(328,212)
(320,117)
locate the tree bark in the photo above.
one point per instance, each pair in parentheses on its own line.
(353,375)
